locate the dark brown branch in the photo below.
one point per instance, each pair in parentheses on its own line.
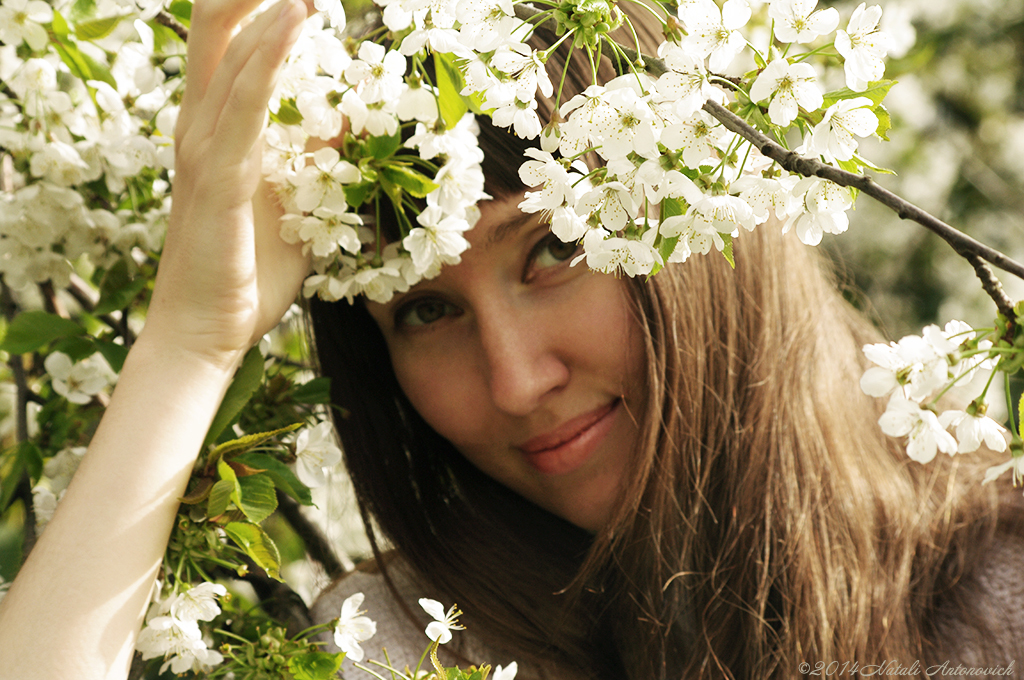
(165,19)
(974,251)
(79,290)
(317,545)
(960,242)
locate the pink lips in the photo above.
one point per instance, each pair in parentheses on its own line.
(568,447)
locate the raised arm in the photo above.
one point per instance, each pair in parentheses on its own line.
(225,279)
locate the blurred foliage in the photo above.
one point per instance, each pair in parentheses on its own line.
(958,150)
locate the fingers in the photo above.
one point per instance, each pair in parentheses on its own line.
(230,117)
(211,43)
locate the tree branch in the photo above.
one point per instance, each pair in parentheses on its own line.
(967,247)
(165,19)
(317,545)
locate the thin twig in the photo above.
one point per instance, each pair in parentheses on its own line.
(79,290)
(165,19)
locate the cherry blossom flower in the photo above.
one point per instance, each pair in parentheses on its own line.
(823,205)
(377,73)
(797,22)
(863,47)
(353,628)
(315,453)
(506,673)
(198,603)
(972,430)
(440,629)
(790,86)
(712,32)
(904,417)
(80,381)
(334,10)
(686,83)
(616,255)
(521,62)
(322,183)
(438,241)
(485,24)
(1016,464)
(22,20)
(833,137)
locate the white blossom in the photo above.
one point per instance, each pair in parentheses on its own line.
(925,434)
(377,73)
(790,86)
(712,32)
(823,205)
(972,430)
(80,381)
(797,22)
(315,453)
(437,241)
(833,137)
(440,629)
(22,20)
(353,628)
(863,47)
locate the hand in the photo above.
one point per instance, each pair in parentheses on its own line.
(226,277)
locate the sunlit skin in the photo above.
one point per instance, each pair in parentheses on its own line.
(513,352)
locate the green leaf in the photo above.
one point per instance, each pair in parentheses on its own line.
(884,122)
(77,347)
(288,113)
(31,330)
(181,10)
(449,86)
(257,496)
(875,91)
(1020,413)
(257,545)
(225,491)
(97,28)
(247,379)
(118,288)
(356,194)
(59,26)
(316,391)
(315,665)
(414,183)
(249,441)
(15,463)
(384,146)
(114,353)
(82,10)
(282,475)
(727,250)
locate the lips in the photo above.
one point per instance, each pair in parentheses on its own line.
(569,446)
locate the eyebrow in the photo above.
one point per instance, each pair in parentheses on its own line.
(506,229)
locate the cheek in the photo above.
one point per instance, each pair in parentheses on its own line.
(443,391)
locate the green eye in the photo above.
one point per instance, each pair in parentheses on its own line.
(424,312)
(551,251)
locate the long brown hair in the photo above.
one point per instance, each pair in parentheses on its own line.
(767,521)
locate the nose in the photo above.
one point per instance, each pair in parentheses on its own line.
(523,358)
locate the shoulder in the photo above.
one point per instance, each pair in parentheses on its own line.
(401,622)
(984,623)
(397,632)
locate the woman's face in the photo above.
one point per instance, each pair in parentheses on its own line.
(531,368)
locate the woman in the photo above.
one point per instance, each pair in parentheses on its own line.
(674,478)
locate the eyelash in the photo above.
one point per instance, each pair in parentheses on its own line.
(405,313)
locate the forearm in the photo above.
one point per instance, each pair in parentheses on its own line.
(85,586)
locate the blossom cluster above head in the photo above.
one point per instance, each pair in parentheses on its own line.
(672,181)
